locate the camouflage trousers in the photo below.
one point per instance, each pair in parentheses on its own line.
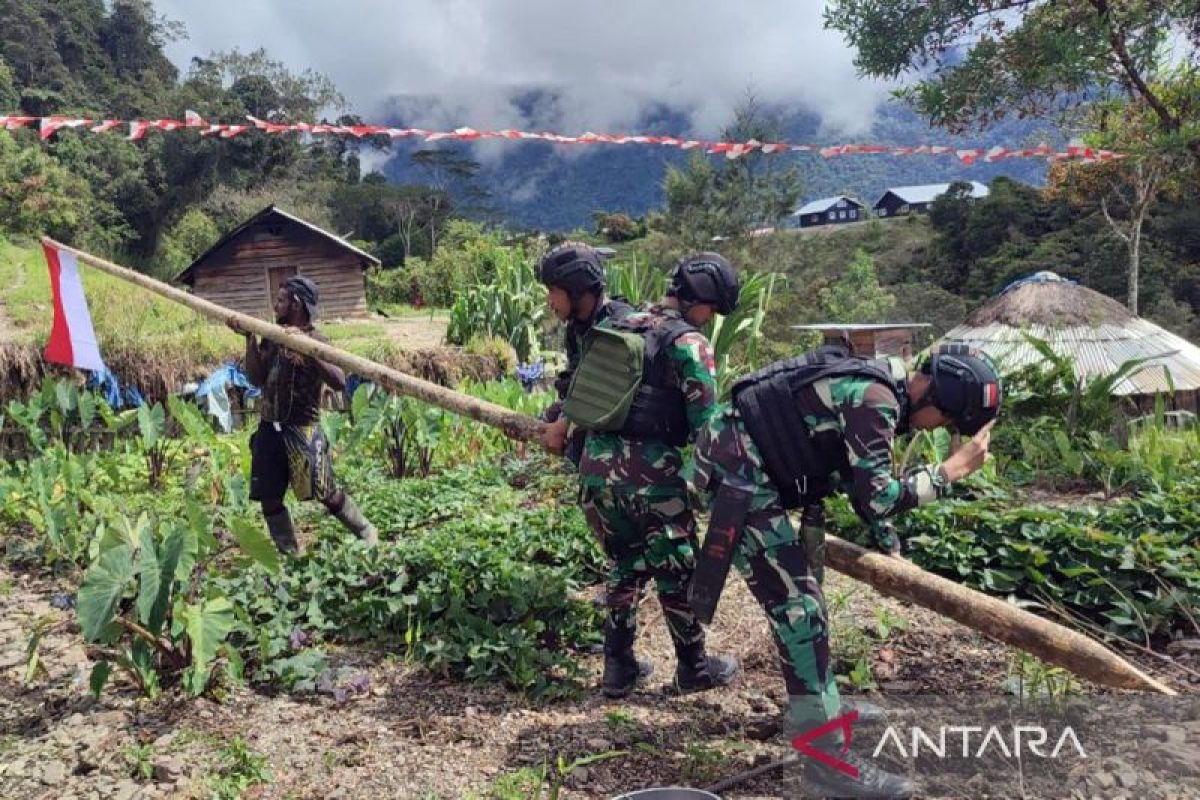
(646,536)
(772,558)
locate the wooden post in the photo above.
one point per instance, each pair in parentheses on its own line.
(515,425)
(1007,623)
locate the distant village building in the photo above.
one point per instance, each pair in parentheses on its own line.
(901,200)
(1094,330)
(827,211)
(244,270)
(870,340)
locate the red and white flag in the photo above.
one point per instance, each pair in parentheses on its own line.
(72,338)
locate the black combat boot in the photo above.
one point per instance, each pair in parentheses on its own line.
(698,672)
(872,782)
(622,670)
(282,533)
(352,518)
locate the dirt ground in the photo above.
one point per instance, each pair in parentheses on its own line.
(414,735)
(417,332)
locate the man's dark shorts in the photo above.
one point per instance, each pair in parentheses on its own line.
(290,455)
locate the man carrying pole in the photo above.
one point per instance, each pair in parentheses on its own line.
(574,279)
(289,448)
(790,429)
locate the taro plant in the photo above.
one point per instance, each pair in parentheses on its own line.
(146,605)
(158,450)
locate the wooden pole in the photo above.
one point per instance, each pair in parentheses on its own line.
(1003,621)
(513,424)
(1049,641)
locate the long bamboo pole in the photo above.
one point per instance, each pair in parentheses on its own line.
(1010,624)
(515,425)
(1007,623)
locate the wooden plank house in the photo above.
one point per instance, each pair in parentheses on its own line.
(870,340)
(245,268)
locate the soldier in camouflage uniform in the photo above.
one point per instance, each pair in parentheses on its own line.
(851,420)
(634,496)
(574,279)
(289,448)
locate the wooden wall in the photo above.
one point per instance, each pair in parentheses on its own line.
(237,275)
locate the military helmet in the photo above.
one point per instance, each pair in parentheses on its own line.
(573,267)
(965,386)
(705,278)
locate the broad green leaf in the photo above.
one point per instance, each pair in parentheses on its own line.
(103,585)
(255,542)
(157,579)
(206,626)
(87,409)
(100,672)
(150,424)
(190,419)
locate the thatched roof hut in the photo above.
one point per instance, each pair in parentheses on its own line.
(1097,332)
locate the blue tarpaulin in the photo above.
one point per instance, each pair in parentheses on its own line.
(214,390)
(116,395)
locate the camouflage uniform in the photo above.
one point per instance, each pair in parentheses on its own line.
(863,414)
(573,339)
(636,499)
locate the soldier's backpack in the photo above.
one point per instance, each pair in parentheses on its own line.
(624,382)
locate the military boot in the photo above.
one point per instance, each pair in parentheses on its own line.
(282,533)
(698,671)
(868,713)
(352,518)
(872,782)
(622,670)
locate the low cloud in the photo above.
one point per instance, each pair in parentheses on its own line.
(598,66)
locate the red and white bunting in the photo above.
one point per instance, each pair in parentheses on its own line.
(138,128)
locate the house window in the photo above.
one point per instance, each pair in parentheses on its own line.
(883,211)
(841,204)
(841,215)
(832,215)
(815,218)
(854,213)
(904,208)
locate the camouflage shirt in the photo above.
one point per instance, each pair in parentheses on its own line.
(291,393)
(854,419)
(649,466)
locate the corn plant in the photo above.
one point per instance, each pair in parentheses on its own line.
(510,306)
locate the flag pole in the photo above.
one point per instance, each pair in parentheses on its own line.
(1006,622)
(513,424)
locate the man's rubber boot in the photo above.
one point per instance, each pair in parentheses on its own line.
(698,672)
(872,782)
(622,670)
(352,518)
(282,533)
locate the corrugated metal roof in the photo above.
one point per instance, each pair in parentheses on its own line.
(824,204)
(1097,351)
(860,326)
(930,192)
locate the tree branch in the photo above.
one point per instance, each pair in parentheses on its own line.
(1112,223)
(1116,38)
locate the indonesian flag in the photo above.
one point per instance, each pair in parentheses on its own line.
(72,338)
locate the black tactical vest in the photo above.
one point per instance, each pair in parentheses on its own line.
(800,465)
(659,409)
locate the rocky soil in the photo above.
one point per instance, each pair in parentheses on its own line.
(414,735)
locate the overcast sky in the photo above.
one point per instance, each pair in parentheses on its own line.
(608,60)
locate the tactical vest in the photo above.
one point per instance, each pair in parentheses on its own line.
(608,393)
(800,464)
